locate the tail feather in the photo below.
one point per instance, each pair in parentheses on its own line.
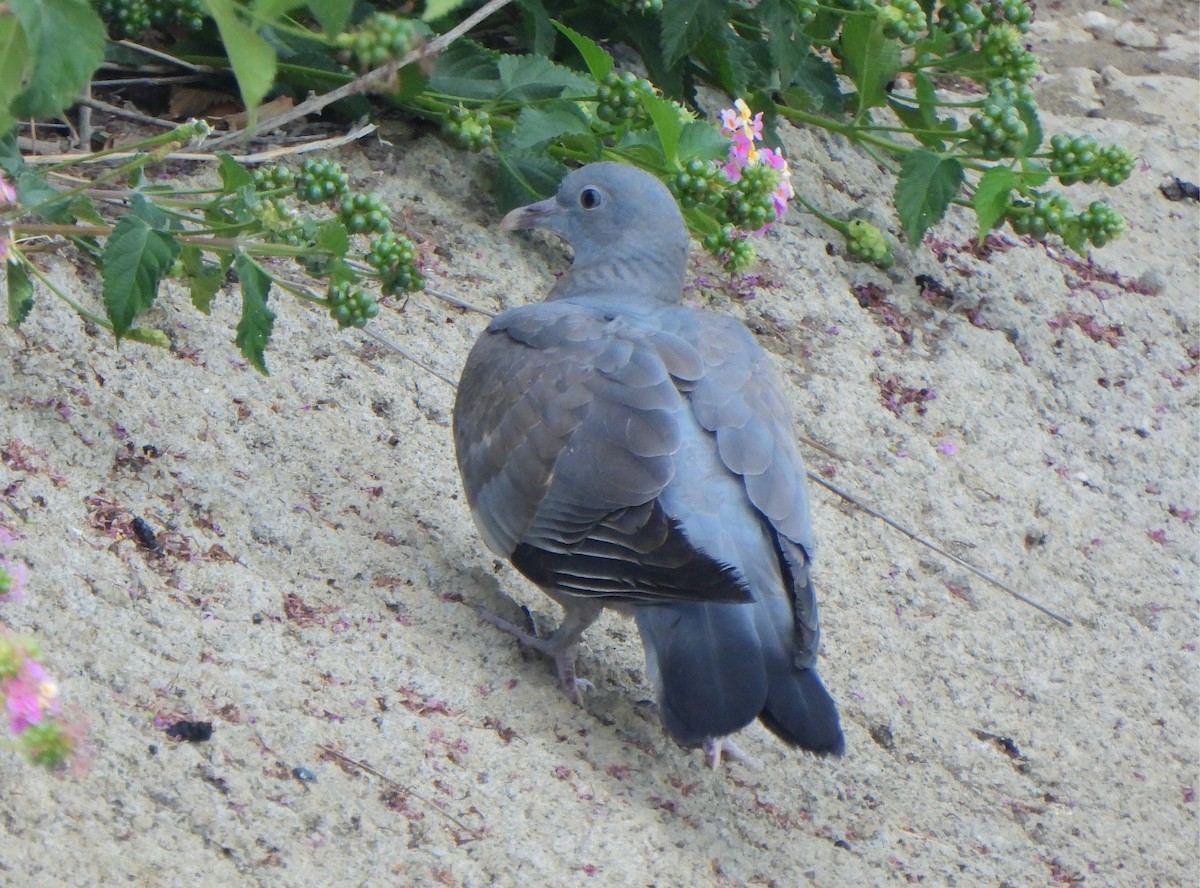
(706,665)
(800,711)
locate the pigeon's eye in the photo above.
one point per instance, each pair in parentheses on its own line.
(589,198)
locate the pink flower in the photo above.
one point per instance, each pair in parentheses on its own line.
(8,194)
(30,696)
(13,576)
(947,449)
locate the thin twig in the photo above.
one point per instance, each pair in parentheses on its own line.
(170,59)
(366,82)
(924,542)
(817,445)
(363,766)
(450,299)
(124,112)
(405,353)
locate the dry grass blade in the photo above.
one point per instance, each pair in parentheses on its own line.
(817,479)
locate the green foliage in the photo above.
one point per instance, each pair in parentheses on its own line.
(875,72)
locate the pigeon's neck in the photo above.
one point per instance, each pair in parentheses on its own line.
(657,275)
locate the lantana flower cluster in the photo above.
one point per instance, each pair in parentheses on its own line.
(28,695)
(744,130)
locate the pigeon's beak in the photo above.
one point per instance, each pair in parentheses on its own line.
(533,216)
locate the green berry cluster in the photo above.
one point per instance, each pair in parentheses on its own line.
(380,39)
(187,14)
(467,129)
(395,259)
(620,99)
(699,183)
(643,7)
(1081,159)
(1048,214)
(1100,223)
(962,20)
(274,214)
(1017,13)
(999,128)
(321,180)
(903,20)
(350,307)
(123,18)
(867,242)
(1002,47)
(277,179)
(731,247)
(751,203)
(364,214)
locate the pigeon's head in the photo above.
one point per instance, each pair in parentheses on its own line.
(623,225)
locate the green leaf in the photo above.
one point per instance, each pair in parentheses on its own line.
(233,175)
(33,191)
(701,140)
(599,63)
(136,256)
(667,124)
(523,178)
(992,197)
(686,22)
(148,336)
(786,42)
(65,40)
(331,237)
(254,328)
(871,59)
(436,9)
(331,15)
(20,292)
(1030,117)
(537,126)
(927,184)
(533,79)
(252,57)
(15,65)
(204,278)
(815,87)
(1033,173)
(923,119)
(537,35)
(466,69)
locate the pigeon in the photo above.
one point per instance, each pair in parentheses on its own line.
(623,450)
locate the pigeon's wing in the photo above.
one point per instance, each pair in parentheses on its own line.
(737,398)
(566,429)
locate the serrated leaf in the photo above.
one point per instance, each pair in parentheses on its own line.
(148,336)
(534,78)
(667,124)
(257,321)
(34,192)
(204,279)
(539,35)
(923,119)
(331,237)
(1034,173)
(252,57)
(700,140)
(924,189)
(786,42)
(871,59)
(537,126)
(816,78)
(136,256)
(599,63)
(1031,120)
(233,174)
(466,69)
(686,22)
(20,292)
(992,197)
(523,178)
(65,41)
(82,209)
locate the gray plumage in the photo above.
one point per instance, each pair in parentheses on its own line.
(625,451)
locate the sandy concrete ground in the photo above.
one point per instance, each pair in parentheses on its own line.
(314,601)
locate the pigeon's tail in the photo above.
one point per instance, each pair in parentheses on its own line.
(800,711)
(706,665)
(716,672)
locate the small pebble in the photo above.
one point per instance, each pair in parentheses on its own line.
(1135,36)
